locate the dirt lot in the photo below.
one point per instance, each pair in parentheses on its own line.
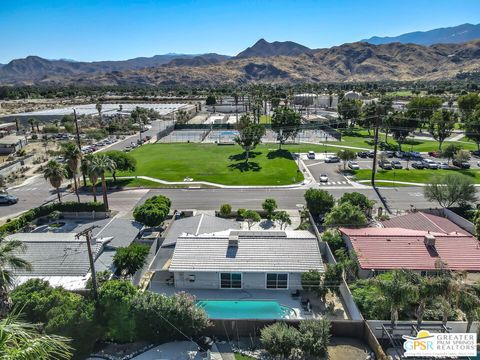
(347,349)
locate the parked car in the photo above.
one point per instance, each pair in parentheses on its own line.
(353,165)
(385,165)
(148,138)
(443,166)
(6,199)
(323,178)
(311,155)
(396,164)
(434,154)
(430,164)
(362,154)
(371,154)
(476,153)
(461,164)
(418,165)
(332,159)
(399,154)
(389,154)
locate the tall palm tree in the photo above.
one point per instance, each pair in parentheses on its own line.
(31,121)
(91,173)
(397,292)
(468,301)
(55,173)
(21,340)
(101,164)
(9,261)
(73,155)
(98,106)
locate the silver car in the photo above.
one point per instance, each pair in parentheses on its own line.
(353,165)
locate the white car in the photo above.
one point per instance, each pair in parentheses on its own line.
(311,155)
(353,165)
(443,165)
(323,178)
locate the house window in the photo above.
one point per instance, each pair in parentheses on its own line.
(277,281)
(230,280)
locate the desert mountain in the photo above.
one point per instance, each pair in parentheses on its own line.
(263,48)
(450,35)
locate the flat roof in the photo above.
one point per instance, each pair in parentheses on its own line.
(257,251)
(11,139)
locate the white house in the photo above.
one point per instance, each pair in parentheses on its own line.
(238,259)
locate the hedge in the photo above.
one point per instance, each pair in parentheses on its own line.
(32,214)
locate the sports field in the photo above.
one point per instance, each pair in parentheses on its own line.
(221,164)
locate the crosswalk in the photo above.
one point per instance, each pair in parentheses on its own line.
(23,189)
(331,183)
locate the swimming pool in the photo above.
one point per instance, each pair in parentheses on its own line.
(245,309)
(231,133)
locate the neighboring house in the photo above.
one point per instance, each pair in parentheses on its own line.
(236,259)
(423,251)
(59,258)
(12,143)
(424,221)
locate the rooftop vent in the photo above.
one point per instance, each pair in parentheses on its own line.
(233,241)
(429,240)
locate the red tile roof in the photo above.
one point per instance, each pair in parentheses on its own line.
(397,248)
(424,221)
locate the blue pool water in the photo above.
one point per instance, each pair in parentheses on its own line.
(244,309)
(224,133)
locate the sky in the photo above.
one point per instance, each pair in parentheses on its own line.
(86,30)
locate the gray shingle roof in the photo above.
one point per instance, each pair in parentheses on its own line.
(294,251)
(196,225)
(55,254)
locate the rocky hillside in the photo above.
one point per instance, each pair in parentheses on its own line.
(348,62)
(263,48)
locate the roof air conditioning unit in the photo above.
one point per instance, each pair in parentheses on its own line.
(429,240)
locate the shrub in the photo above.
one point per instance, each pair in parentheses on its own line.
(129,259)
(280,339)
(240,212)
(269,205)
(153,212)
(154,313)
(357,199)
(315,336)
(225,210)
(333,239)
(346,215)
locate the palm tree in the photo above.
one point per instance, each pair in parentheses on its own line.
(31,121)
(100,164)
(73,155)
(397,292)
(98,106)
(91,173)
(21,340)
(468,301)
(9,262)
(55,173)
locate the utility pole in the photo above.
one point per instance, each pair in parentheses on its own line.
(78,143)
(374,165)
(88,236)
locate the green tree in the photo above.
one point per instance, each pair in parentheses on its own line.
(450,150)
(421,108)
(101,164)
(349,109)
(450,189)
(468,103)
(357,199)
(269,205)
(128,260)
(21,340)
(441,125)
(31,121)
(115,298)
(9,262)
(333,238)
(476,222)
(123,161)
(472,128)
(346,215)
(73,155)
(401,126)
(468,301)
(225,210)
(55,173)
(98,106)
(251,217)
(319,202)
(280,339)
(249,137)
(211,100)
(346,155)
(286,123)
(282,218)
(462,155)
(397,292)
(153,212)
(91,172)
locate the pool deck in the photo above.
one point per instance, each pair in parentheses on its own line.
(283,297)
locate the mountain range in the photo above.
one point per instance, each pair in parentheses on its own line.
(275,62)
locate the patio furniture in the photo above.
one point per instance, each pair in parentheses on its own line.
(306,305)
(296,294)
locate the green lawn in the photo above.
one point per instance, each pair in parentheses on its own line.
(215,163)
(242,357)
(413,175)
